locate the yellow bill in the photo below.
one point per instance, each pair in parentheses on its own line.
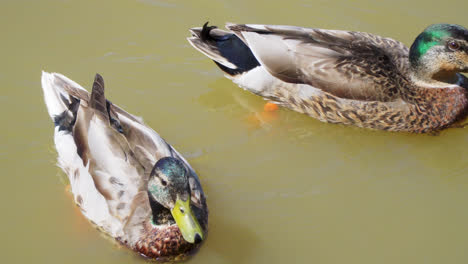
(186,221)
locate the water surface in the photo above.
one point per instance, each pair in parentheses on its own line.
(281,188)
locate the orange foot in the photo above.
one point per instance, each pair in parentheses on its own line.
(270,107)
(267,116)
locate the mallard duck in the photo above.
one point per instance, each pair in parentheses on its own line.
(346,77)
(124,177)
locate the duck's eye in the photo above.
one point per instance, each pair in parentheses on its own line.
(182,210)
(453,45)
(163,182)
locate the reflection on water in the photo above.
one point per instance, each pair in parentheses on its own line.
(281,189)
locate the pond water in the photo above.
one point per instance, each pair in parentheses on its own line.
(282,188)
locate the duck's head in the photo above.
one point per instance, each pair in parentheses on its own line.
(440,52)
(168,185)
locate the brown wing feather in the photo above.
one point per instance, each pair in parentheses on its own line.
(98,100)
(350,65)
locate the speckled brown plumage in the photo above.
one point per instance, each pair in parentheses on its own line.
(344,77)
(164,244)
(440,108)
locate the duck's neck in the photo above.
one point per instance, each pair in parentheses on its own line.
(430,76)
(160,215)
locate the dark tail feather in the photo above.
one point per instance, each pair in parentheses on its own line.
(103,106)
(98,100)
(227,50)
(66,120)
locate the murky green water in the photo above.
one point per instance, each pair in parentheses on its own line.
(281,189)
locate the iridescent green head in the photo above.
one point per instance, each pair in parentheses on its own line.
(169,186)
(444,45)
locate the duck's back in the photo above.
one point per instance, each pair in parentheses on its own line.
(349,65)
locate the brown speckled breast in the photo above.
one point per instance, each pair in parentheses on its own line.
(164,244)
(436,109)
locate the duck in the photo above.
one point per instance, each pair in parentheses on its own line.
(127,180)
(348,77)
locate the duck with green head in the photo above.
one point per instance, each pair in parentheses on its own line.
(347,77)
(125,178)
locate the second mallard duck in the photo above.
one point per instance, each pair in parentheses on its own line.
(346,77)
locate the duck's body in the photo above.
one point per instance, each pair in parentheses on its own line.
(345,77)
(109,156)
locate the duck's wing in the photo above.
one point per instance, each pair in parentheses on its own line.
(106,177)
(148,145)
(351,65)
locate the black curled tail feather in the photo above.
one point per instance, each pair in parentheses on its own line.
(226,49)
(205,33)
